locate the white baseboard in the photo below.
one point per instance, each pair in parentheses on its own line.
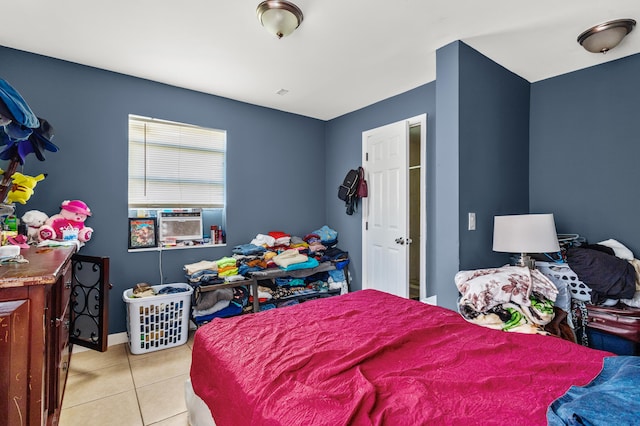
(431,300)
(113,339)
(118,338)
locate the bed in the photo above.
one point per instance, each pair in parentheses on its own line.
(371,358)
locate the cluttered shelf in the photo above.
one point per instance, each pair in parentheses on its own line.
(273,270)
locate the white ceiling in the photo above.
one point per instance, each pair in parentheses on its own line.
(347,54)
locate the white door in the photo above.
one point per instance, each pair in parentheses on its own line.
(385,230)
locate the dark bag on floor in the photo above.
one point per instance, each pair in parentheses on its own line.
(620,320)
(615,329)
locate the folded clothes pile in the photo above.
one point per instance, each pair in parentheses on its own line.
(143,290)
(223,306)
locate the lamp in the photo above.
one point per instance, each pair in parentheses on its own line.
(279,17)
(606,36)
(525,233)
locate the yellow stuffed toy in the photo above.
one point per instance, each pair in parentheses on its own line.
(22,187)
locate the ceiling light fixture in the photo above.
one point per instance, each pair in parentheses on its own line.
(606,36)
(279,17)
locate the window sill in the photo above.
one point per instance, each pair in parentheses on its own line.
(169,248)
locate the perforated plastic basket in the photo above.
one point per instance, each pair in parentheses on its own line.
(158,322)
(561,272)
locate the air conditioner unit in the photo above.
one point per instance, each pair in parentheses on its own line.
(179,226)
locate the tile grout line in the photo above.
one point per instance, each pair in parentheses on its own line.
(135,388)
(94,400)
(86,373)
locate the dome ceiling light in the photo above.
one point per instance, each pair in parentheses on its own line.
(606,36)
(279,17)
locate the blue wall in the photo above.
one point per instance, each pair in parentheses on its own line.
(582,164)
(585,151)
(275,161)
(344,152)
(494,153)
(444,241)
(482,161)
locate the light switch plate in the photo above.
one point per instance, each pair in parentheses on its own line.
(472,221)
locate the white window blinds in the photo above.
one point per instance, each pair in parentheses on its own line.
(175,165)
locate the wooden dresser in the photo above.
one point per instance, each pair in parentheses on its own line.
(34,335)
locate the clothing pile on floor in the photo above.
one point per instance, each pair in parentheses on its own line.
(548,301)
(510,298)
(269,254)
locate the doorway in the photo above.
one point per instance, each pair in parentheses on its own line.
(394,214)
(415,197)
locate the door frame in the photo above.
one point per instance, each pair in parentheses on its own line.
(416,120)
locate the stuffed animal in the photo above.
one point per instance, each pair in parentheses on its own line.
(34,219)
(22,187)
(68,224)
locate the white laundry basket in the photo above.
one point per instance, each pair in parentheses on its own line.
(160,321)
(561,273)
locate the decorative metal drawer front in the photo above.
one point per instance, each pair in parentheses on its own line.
(90,301)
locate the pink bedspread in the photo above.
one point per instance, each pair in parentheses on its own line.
(370,358)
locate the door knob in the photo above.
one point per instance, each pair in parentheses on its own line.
(400,241)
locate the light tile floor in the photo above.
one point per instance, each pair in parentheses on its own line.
(122,389)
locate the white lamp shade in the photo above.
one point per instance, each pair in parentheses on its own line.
(526,233)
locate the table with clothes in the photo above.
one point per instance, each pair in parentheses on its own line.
(273,270)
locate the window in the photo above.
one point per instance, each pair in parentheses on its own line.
(175,165)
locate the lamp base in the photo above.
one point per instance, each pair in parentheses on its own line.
(523,259)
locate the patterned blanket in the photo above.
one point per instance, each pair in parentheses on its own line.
(510,298)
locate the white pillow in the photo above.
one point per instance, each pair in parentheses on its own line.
(618,249)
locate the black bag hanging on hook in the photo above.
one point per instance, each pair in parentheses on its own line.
(347,192)
(349,185)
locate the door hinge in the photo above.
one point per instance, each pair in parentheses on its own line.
(366,156)
(366,226)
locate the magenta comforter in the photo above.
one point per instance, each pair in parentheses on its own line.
(370,358)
